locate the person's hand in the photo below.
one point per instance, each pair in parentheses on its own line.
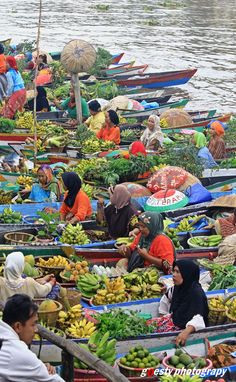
(53,281)
(182,338)
(142,252)
(69,216)
(48,278)
(134,232)
(124,250)
(51,370)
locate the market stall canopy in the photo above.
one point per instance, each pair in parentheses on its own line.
(167,178)
(176,117)
(137,190)
(168,200)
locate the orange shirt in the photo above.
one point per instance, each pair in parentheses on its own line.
(81,209)
(3,65)
(109,134)
(161,247)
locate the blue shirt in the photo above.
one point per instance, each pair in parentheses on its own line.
(17,81)
(206,158)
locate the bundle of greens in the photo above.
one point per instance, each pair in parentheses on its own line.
(7,125)
(103,60)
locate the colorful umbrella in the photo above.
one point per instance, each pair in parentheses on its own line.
(137,190)
(168,200)
(167,178)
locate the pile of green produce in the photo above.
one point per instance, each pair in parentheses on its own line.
(29,269)
(86,165)
(172,234)
(60,92)
(89,190)
(223,276)
(187,223)
(131,135)
(103,60)
(74,234)
(139,357)
(7,125)
(122,324)
(88,284)
(182,360)
(107,90)
(10,217)
(206,241)
(58,73)
(5,197)
(100,346)
(143,284)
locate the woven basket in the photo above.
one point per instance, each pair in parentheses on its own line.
(15,238)
(230,318)
(78,56)
(50,317)
(51,270)
(216,316)
(74,297)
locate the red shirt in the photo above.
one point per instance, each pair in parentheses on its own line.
(81,208)
(109,134)
(161,247)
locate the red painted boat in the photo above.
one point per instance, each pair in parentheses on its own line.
(157,80)
(15,137)
(116,58)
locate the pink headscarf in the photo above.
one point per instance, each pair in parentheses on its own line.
(119,196)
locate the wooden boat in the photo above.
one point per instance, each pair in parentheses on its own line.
(15,137)
(160,100)
(56,56)
(143,114)
(157,80)
(148,94)
(121,70)
(6,42)
(116,58)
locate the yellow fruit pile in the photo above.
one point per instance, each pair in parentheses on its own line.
(112,294)
(53,262)
(68,318)
(74,270)
(24,180)
(81,329)
(231,305)
(216,303)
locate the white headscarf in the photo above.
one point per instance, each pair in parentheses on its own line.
(149,136)
(13,269)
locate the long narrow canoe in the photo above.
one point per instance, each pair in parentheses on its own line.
(116,58)
(121,70)
(158,80)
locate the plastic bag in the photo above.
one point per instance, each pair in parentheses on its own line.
(198,194)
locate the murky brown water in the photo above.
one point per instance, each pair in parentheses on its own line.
(194,33)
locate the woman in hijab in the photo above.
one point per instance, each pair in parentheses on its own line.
(120,214)
(76,205)
(150,246)
(184,306)
(97,119)
(152,137)
(110,130)
(217,145)
(200,142)
(16,91)
(41,100)
(48,188)
(13,282)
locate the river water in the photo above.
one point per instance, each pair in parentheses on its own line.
(166,34)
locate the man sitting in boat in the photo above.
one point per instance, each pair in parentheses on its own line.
(110,130)
(150,246)
(184,306)
(17,330)
(152,137)
(69,106)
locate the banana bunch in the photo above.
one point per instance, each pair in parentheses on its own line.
(172,234)
(102,347)
(89,190)
(91,146)
(56,331)
(216,303)
(180,378)
(163,123)
(10,217)
(85,164)
(53,262)
(113,293)
(88,284)
(143,284)
(65,319)
(206,241)
(40,145)
(25,120)
(106,145)
(128,134)
(81,329)
(231,307)
(5,197)
(124,240)
(74,234)
(59,141)
(24,180)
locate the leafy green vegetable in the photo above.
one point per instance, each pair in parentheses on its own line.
(103,57)
(7,125)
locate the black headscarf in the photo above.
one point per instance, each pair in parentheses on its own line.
(1,48)
(189,298)
(94,106)
(73,183)
(41,100)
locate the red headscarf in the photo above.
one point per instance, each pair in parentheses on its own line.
(12,62)
(137,148)
(218,128)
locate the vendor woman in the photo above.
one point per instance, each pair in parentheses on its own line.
(110,130)
(184,306)
(97,119)
(13,283)
(200,142)
(150,246)
(48,188)
(76,205)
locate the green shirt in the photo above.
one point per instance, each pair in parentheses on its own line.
(72,111)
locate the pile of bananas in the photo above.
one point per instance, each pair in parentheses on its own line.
(74,234)
(65,319)
(102,347)
(85,164)
(172,234)
(91,146)
(124,240)
(88,284)
(53,262)
(143,284)
(231,306)
(113,293)
(58,141)
(26,181)
(56,331)
(89,190)
(106,145)
(206,241)
(5,197)
(25,120)
(74,270)
(216,303)
(10,217)
(163,123)
(81,329)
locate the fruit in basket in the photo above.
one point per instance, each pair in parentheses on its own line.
(172,234)
(91,146)
(216,303)
(30,260)
(48,306)
(25,120)
(65,319)
(5,197)
(74,270)
(88,284)
(142,284)
(53,262)
(10,217)
(113,293)
(81,329)
(139,357)
(232,308)
(74,234)
(206,241)
(182,360)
